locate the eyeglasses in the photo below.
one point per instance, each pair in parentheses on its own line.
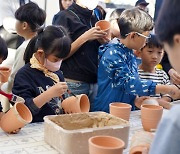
(147,37)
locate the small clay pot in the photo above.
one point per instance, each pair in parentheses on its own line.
(4,74)
(77,104)
(104,26)
(151,116)
(121,110)
(141,142)
(105,145)
(17,117)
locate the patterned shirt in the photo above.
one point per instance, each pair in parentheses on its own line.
(160,77)
(118,79)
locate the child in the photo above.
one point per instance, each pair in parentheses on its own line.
(29,19)
(151,55)
(40,82)
(118,79)
(3,56)
(167,138)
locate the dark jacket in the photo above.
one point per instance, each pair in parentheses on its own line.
(82,65)
(29,83)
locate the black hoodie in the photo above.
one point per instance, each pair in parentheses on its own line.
(82,65)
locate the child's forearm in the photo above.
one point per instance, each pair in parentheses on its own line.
(172,90)
(42,99)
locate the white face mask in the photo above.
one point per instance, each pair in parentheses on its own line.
(90,4)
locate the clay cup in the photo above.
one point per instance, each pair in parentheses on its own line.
(4,74)
(17,117)
(105,145)
(151,116)
(141,142)
(104,26)
(77,104)
(121,110)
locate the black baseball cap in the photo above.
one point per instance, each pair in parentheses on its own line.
(141,2)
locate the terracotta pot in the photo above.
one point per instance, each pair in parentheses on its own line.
(105,145)
(151,116)
(104,26)
(121,110)
(77,104)
(151,101)
(141,142)
(17,117)
(4,73)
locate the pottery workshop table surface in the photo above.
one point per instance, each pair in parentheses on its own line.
(31,138)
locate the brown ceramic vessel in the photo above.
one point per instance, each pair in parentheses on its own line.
(151,116)
(105,145)
(17,117)
(121,110)
(141,142)
(77,104)
(4,73)
(104,26)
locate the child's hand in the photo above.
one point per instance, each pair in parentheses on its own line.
(138,101)
(58,89)
(94,33)
(165,104)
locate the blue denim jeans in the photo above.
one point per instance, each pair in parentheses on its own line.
(84,88)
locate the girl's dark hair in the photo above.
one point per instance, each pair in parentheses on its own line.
(52,40)
(3,49)
(116,14)
(153,42)
(32,14)
(134,20)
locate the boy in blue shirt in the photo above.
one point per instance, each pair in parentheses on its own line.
(118,79)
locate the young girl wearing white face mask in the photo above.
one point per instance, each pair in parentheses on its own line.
(40,82)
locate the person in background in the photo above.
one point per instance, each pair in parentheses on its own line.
(8,9)
(167,138)
(64,4)
(80,68)
(29,20)
(151,55)
(142,4)
(40,82)
(113,18)
(118,79)
(3,56)
(99,12)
